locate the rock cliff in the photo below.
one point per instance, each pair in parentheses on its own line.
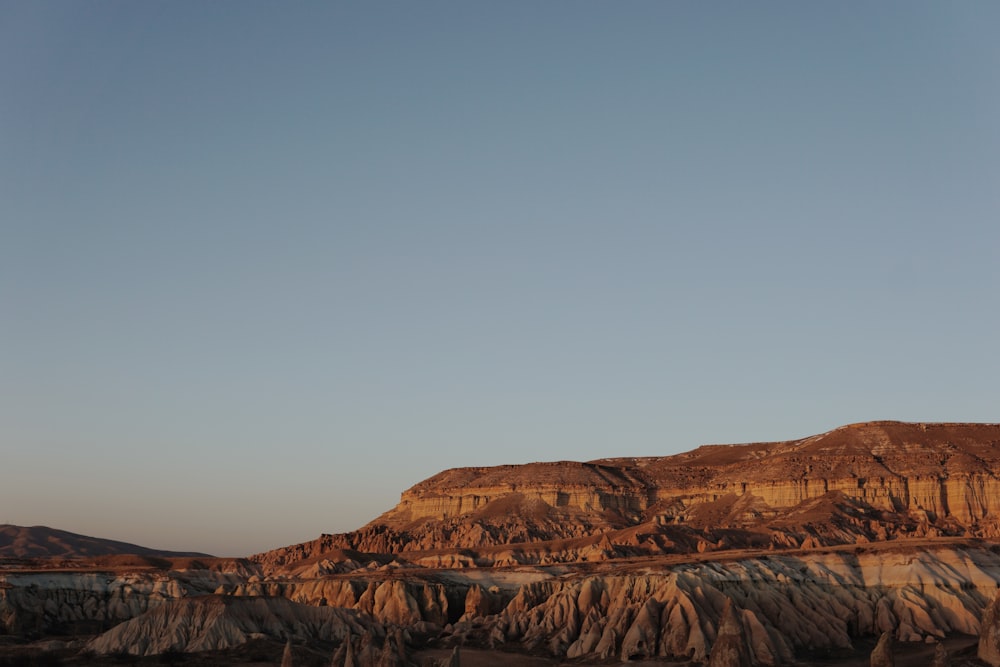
(856,484)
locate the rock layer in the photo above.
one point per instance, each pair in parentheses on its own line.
(857,484)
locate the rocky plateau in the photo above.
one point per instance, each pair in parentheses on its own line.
(787,553)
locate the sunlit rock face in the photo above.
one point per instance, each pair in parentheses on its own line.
(856,484)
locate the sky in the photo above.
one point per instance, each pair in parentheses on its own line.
(264,265)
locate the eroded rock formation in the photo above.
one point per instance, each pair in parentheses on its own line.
(726,555)
(857,484)
(216,622)
(989,636)
(730,646)
(882,655)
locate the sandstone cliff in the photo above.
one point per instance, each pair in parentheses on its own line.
(861,483)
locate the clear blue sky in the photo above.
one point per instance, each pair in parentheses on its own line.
(265,265)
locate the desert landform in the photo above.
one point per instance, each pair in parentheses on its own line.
(872,544)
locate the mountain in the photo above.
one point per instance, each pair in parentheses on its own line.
(802,552)
(856,484)
(44,542)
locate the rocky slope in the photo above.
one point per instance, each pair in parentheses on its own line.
(781,606)
(856,484)
(784,605)
(41,602)
(216,622)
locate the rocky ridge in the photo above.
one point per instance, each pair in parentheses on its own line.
(857,484)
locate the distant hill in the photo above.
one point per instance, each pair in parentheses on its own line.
(44,542)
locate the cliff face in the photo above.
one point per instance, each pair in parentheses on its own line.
(861,482)
(566,485)
(944,469)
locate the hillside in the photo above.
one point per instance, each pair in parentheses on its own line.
(856,484)
(44,542)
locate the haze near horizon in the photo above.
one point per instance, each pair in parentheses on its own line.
(265,266)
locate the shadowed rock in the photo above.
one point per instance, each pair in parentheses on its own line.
(730,648)
(941,657)
(212,622)
(882,655)
(394,651)
(344,655)
(989,634)
(286,657)
(366,655)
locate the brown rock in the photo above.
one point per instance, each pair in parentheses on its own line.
(344,655)
(854,485)
(455,660)
(989,634)
(730,647)
(941,657)
(882,655)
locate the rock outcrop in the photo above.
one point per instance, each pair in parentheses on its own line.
(942,658)
(784,605)
(989,635)
(209,623)
(854,485)
(730,646)
(882,655)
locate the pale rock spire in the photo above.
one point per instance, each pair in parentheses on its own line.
(882,655)
(730,647)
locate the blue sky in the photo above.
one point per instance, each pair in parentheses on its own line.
(265,265)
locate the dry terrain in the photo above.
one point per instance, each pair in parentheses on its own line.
(802,552)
